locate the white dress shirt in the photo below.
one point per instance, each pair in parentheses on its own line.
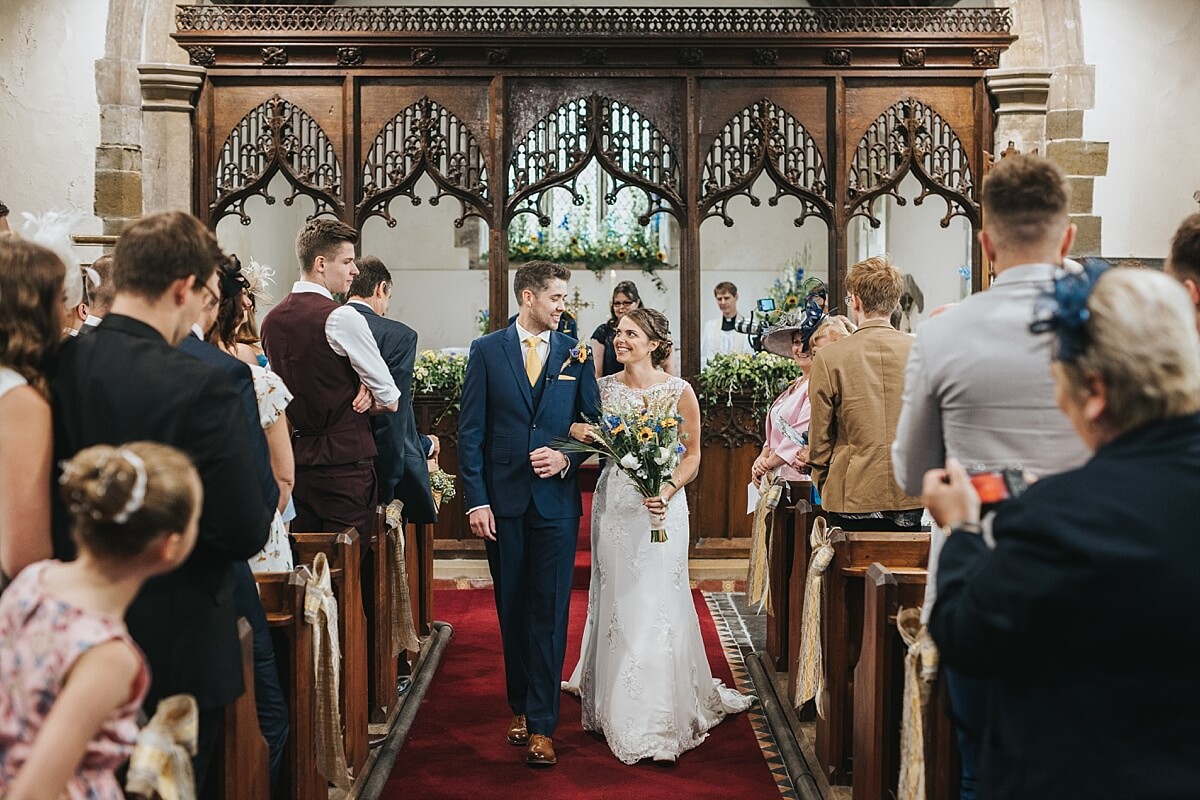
(348,335)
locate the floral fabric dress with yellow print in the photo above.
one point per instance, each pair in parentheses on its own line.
(643,675)
(273,398)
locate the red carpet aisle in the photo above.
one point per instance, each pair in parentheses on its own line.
(456,748)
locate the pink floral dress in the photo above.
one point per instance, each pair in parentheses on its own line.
(41,639)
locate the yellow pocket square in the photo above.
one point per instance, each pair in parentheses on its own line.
(566,377)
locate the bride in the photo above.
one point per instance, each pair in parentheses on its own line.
(642,674)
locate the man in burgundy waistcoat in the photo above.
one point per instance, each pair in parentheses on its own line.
(326,355)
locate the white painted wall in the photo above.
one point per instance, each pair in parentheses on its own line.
(1147,109)
(49,116)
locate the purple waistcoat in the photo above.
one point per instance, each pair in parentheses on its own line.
(326,431)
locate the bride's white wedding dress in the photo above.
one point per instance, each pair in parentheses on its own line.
(642,674)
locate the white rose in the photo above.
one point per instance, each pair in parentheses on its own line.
(664,455)
(629,461)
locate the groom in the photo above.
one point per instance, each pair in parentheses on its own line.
(524,387)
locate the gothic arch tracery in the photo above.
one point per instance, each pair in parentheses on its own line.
(277,136)
(764,138)
(425,139)
(626,144)
(911,137)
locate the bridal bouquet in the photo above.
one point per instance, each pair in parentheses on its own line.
(645,443)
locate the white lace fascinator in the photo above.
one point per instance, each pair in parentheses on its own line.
(52,230)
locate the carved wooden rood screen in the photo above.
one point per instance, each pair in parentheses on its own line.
(354,106)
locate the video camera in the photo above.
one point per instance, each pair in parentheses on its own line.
(757,323)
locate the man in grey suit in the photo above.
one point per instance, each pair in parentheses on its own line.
(978,386)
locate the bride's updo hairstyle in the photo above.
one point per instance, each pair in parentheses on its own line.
(657,328)
(121,498)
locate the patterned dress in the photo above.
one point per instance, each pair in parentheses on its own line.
(41,639)
(273,398)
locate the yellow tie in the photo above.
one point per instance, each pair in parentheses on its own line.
(533,363)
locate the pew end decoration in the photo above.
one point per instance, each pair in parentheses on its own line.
(161,764)
(645,443)
(441,484)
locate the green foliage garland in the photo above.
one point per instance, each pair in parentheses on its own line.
(760,377)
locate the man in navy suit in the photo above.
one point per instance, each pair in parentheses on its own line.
(524,387)
(401,468)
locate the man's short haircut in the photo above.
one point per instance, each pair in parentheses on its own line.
(878,284)
(1185,249)
(725,287)
(320,237)
(160,249)
(99,298)
(536,276)
(1025,201)
(371,273)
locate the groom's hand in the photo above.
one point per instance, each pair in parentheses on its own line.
(548,462)
(483,523)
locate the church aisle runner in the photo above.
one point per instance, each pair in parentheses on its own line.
(457,749)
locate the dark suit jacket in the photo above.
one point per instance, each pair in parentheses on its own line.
(1085,619)
(500,424)
(125,383)
(400,466)
(243,383)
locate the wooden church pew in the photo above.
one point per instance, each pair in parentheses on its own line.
(790,525)
(242,761)
(423,575)
(879,679)
(383,683)
(283,601)
(841,632)
(342,551)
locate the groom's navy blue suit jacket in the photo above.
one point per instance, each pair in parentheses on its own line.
(501,422)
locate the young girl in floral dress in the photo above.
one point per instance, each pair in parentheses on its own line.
(71,679)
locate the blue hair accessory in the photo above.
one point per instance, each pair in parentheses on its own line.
(1064,310)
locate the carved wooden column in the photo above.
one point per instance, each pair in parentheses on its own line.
(168,100)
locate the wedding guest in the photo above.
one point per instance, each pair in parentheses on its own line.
(785,445)
(31,316)
(328,358)
(1082,617)
(625,298)
(249,342)
(269,430)
(720,335)
(832,329)
(128,381)
(1183,263)
(978,385)
(855,395)
(71,677)
(401,467)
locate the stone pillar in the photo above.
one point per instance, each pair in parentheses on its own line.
(1021,96)
(119,156)
(168,102)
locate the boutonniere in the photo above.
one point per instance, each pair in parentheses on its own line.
(579,355)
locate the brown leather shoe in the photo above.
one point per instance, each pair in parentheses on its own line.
(541,751)
(518,734)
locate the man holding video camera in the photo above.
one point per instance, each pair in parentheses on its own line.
(978,386)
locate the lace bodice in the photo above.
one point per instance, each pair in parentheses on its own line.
(615,395)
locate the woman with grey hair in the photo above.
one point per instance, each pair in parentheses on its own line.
(1083,617)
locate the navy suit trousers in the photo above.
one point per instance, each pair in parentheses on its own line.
(532,561)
